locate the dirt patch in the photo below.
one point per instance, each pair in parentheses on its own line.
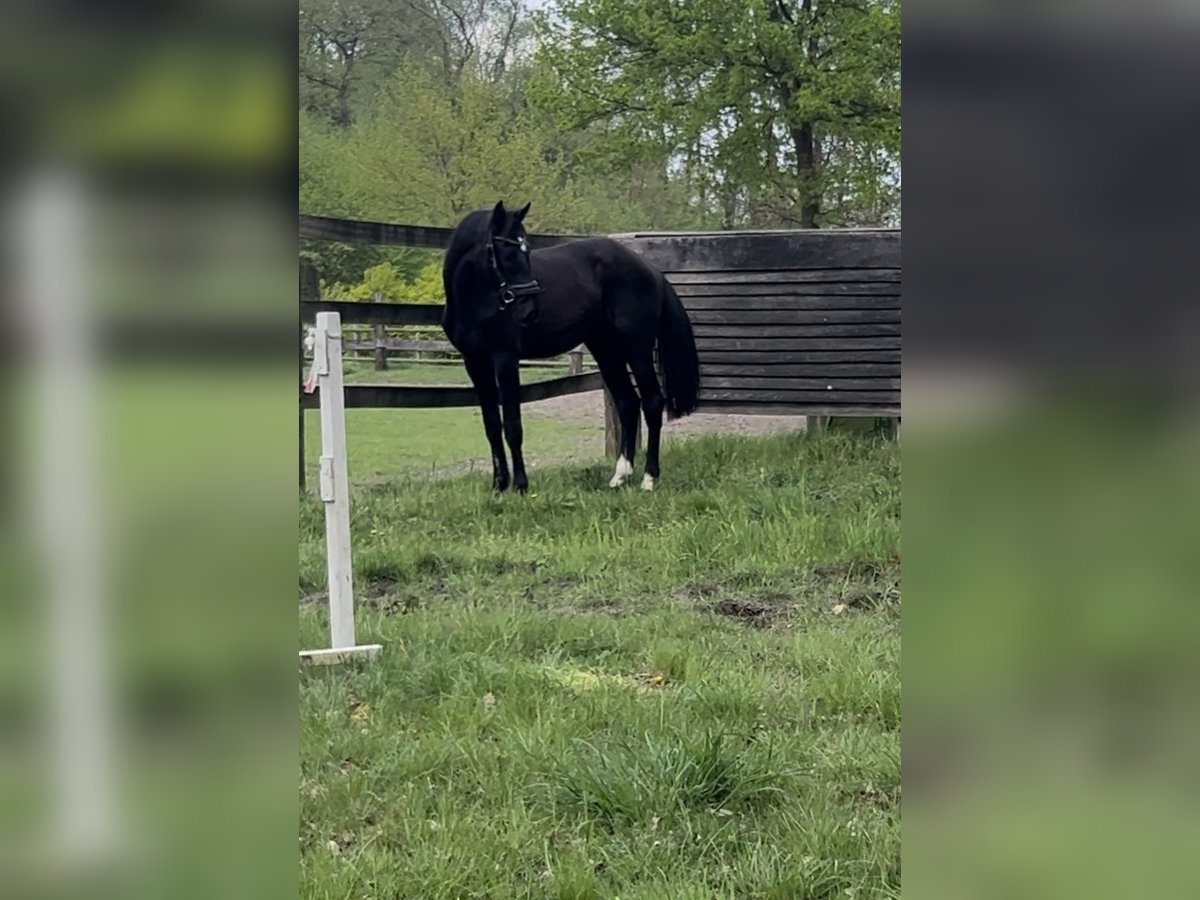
(858,568)
(397,606)
(588,409)
(748,611)
(393,598)
(861,585)
(602,605)
(871,795)
(872,599)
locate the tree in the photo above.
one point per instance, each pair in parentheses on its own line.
(779,112)
(349,49)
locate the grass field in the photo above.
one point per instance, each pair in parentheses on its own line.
(693,693)
(425,443)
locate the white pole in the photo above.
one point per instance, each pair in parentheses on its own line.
(335,492)
(54,235)
(335,489)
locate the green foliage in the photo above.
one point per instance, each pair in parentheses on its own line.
(388,283)
(783,112)
(608,116)
(430,154)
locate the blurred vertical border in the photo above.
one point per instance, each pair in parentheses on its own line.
(1052,472)
(147,483)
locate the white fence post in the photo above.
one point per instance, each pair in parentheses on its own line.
(335,494)
(51,225)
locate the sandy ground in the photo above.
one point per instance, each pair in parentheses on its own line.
(588,408)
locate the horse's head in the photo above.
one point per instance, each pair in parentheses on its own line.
(508,256)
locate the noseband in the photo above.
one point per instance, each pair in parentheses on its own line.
(509,293)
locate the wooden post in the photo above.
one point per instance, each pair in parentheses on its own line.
(887,427)
(381,353)
(576,362)
(612,429)
(335,494)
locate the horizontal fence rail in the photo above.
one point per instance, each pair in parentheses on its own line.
(353,231)
(393,396)
(373,312)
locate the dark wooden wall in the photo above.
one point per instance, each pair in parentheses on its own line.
(790,322)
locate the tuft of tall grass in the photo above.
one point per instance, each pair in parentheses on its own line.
(664,775)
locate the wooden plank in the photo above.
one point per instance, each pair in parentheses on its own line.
(369,313)
(798,409)
(357,231)
(836,385)
(569,359)
(855,290)
(768,357)
(783,317)
(394,396)
(410,346)
(767,277)
(783,333)
(334,657)
(785,397)
(801,370)
(792,301)
(779,332)
(729,344)
(810,249)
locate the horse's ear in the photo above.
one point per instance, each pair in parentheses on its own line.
(520,214)
(499,216)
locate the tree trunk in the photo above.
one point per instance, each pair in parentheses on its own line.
(806,168)
(343,116)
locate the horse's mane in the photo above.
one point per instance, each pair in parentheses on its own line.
(471,234)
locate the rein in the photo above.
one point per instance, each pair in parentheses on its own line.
(509,293)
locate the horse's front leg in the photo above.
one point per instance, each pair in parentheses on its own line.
(508,374)
(483,376)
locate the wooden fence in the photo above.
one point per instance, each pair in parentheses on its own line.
(367,396)
(381,344)
(792,322)
(786,322)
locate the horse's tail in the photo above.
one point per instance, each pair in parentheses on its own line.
(677,355)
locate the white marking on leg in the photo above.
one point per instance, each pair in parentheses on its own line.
(647,482)
(624,470)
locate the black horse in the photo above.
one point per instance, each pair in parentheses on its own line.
(505,304)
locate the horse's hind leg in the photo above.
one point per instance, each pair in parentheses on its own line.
(652,406)
(616,379)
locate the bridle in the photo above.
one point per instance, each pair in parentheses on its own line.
(509,293)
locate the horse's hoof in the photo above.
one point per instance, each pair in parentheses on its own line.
(624,470)
(647,482)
